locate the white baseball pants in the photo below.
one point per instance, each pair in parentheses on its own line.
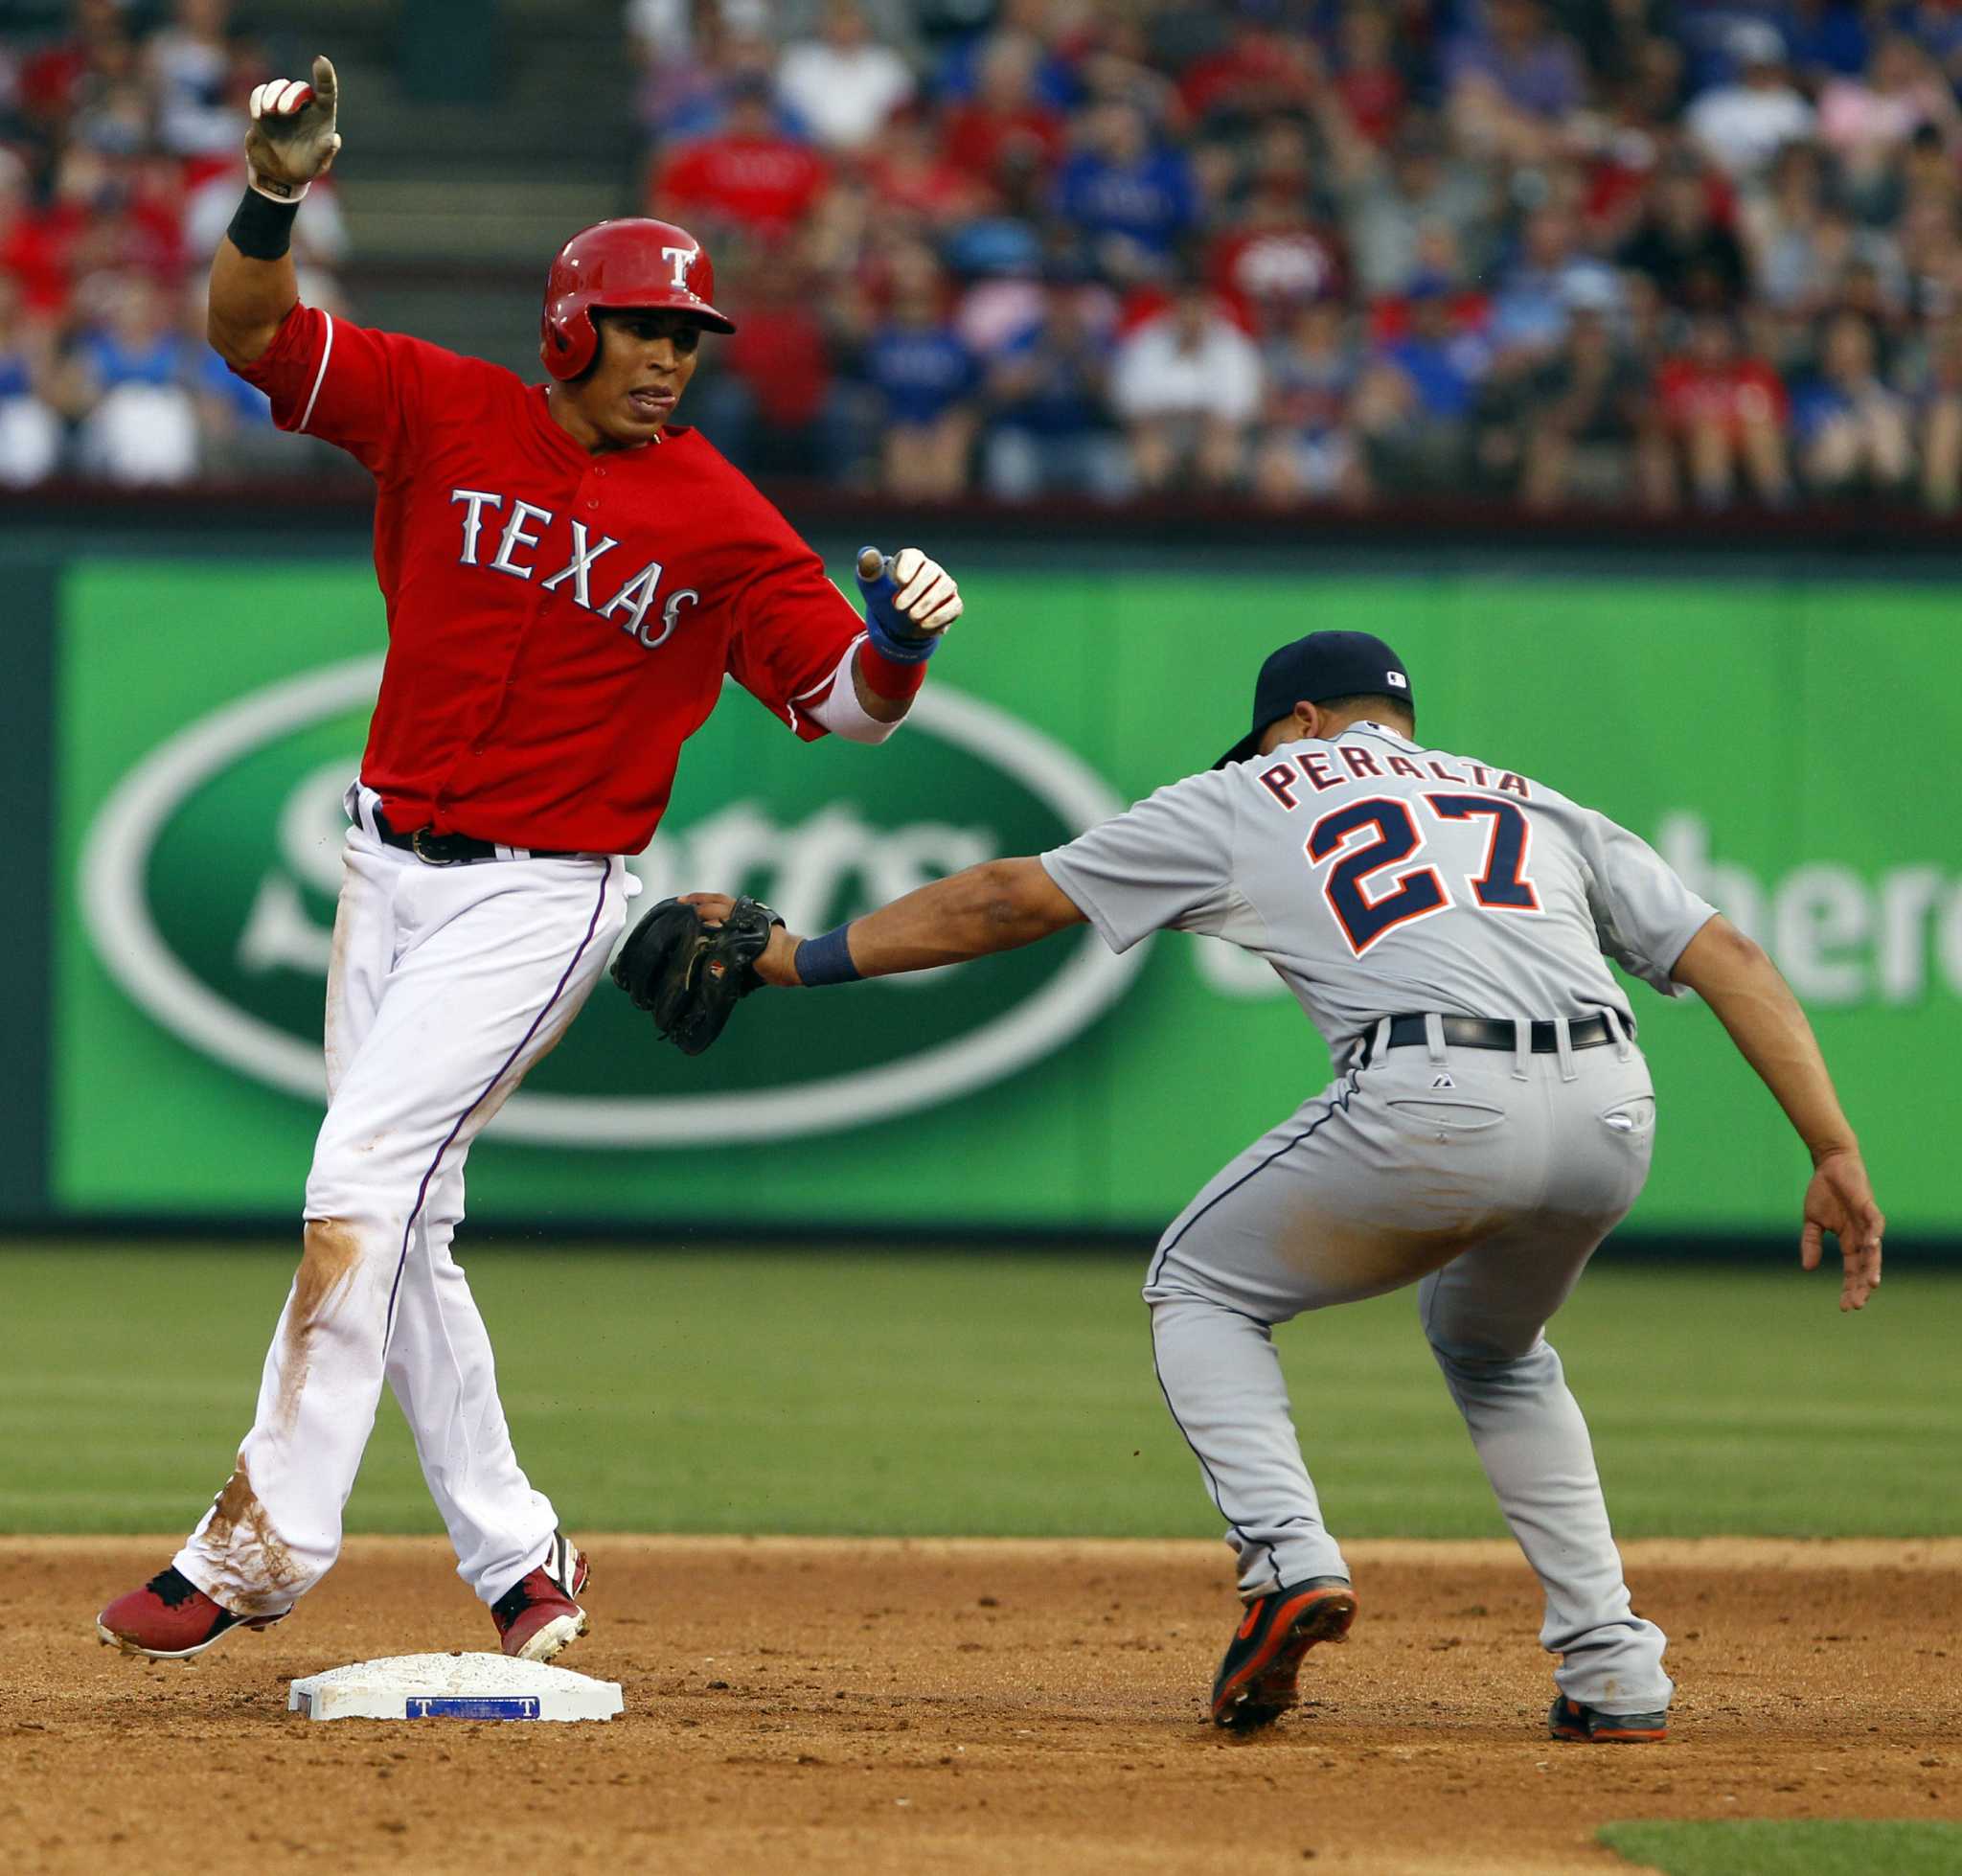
(447,983)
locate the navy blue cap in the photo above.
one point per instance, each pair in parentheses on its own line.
(1312,670)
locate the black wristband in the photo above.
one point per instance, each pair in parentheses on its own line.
(263,229)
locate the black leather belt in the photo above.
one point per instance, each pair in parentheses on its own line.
(454,849)
(1491,1033)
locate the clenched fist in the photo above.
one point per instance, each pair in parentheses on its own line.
(293,138)
(909,601)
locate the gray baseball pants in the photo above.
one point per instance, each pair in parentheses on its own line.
(1487,1180)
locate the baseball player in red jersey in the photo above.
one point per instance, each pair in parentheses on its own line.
(568,578)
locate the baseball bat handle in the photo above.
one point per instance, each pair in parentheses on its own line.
(872,564)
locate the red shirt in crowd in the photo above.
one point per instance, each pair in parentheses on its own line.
(780,351)
(559,622)
(1730,394)
(766,183)
(1263,272)
(982,140)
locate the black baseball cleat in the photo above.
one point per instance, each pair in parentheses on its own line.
(1256,1681)
(1570,1720)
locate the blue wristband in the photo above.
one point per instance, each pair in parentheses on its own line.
(885,626)
(900,650)
(826,960)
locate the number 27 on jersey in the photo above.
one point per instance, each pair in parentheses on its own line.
(1365,838)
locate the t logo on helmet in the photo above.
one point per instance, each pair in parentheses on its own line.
(680,257)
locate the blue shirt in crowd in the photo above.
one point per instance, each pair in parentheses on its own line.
(1445,372)
(166,361)
(1151,201)
(923,371)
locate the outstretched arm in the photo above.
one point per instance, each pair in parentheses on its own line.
(999,906)
(253,286)
(1752,1000)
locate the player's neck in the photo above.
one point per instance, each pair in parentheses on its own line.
(565,412)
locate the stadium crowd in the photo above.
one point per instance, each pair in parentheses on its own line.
(119,166)
(1640,252)
(1558,250)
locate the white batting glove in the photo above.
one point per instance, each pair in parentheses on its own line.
(925,592)
(293,138)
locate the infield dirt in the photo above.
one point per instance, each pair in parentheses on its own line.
(974,1706)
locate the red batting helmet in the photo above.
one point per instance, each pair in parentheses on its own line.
(631,262)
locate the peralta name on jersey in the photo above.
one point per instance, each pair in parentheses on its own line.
(1287,775)
(629,606)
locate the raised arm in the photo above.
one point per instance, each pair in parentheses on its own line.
(253,286)
(1735,976)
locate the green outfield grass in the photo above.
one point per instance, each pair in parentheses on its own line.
(880,1391)
(1751,1846)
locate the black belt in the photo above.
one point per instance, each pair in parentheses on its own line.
(1491,1033)
(455,849)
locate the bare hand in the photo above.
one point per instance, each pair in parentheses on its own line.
(1840,1200)
(775,966)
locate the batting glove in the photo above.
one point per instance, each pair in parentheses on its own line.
(293,138)
(909,602)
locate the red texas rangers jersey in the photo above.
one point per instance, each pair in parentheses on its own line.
(559,622)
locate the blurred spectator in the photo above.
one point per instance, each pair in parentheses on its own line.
(766,405)
(30,431)
(1510,76)
(1721,414)
(1261,70)
(1852,430)
(926,381)
(128,379)
(1387,198)
(1683,246)
(200,80)
(1274,258)
(1538,291)
(1369,89)
(747,177)
(1939,403)
(32,255)
(1187,385)
(1415,401)
(1051,431)
(57,78)
(1584,412)
(844,85)
(1005,134)
(910,178)
(1867,121)
(1132,200)
(1741,127)
(1306,450)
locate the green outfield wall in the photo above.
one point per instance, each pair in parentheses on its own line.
(1791,747)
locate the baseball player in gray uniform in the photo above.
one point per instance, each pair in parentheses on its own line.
(1443,921)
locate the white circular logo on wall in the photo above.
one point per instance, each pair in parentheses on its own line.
(121,857)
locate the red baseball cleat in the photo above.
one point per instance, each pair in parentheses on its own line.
(537,1616)
(170,1619)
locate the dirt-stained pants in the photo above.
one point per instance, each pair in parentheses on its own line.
(447,984)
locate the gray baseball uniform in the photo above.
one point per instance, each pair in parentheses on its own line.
(1381,879)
